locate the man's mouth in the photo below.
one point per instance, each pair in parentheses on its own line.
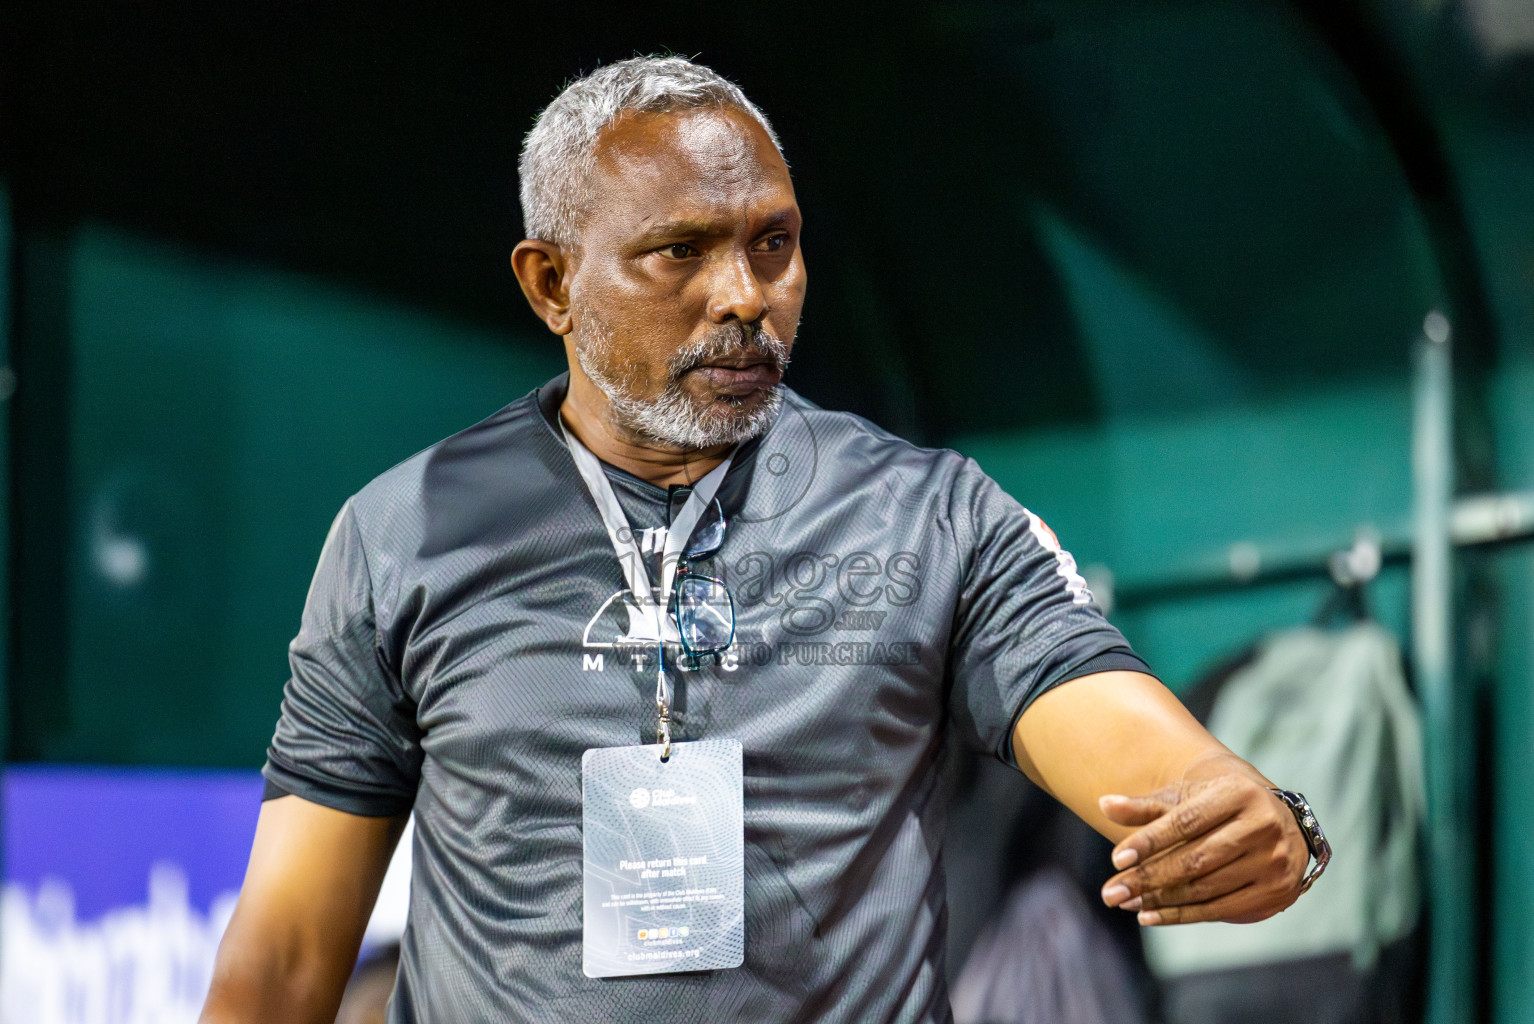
(734,362)
(740,376)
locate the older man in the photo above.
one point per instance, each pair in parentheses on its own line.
(663,657)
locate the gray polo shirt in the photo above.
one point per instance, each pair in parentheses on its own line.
(463,644)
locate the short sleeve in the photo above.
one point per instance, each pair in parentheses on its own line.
(347,737)
(1025,621)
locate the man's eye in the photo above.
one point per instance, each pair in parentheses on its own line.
(679,251)
(772,243)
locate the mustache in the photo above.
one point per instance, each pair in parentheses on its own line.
(731,339)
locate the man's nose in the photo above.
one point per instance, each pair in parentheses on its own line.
(736,293)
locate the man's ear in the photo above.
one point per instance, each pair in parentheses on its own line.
(540,268)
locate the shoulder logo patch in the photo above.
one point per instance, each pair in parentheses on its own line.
(1065,564)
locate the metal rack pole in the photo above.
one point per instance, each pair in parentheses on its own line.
(1451,884)
(1475,521)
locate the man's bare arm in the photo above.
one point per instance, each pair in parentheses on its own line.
(1199,836)
(313,878)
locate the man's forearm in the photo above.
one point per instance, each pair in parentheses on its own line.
(1199,834)
(292,942)
(1113,732)
(255,987)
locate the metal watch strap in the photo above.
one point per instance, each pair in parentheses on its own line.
(1310,828)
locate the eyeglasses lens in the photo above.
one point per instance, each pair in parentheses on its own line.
(707,539)
(705,614)
(708,536)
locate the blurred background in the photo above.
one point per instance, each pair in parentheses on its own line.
(1239,297)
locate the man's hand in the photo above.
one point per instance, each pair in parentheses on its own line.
(1217,847)
(1209,842)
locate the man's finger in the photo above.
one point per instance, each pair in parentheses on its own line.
(1231,906)
(1220,882)
(1193,860)
(1185,820)
(1136,810)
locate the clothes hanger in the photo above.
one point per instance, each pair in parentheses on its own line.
(1351,571)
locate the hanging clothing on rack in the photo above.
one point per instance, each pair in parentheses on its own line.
(1328,713)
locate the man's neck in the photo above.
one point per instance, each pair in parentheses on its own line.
(588,415)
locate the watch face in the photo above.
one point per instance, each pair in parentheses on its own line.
(1315,838)
(1310,828)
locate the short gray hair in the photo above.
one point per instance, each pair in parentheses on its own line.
(558,154)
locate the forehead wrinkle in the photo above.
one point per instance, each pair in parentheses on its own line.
(715,156)
(690,171)
(705,139)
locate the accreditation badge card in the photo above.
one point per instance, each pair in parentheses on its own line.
(664,859)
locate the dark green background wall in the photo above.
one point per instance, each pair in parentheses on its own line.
(215,417)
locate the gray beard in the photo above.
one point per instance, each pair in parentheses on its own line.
(674,419)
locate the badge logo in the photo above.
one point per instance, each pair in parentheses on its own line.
(639,799)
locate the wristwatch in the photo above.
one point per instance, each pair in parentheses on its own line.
(1310,828)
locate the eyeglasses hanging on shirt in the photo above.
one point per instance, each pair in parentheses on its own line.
(703,606)
(704,616)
